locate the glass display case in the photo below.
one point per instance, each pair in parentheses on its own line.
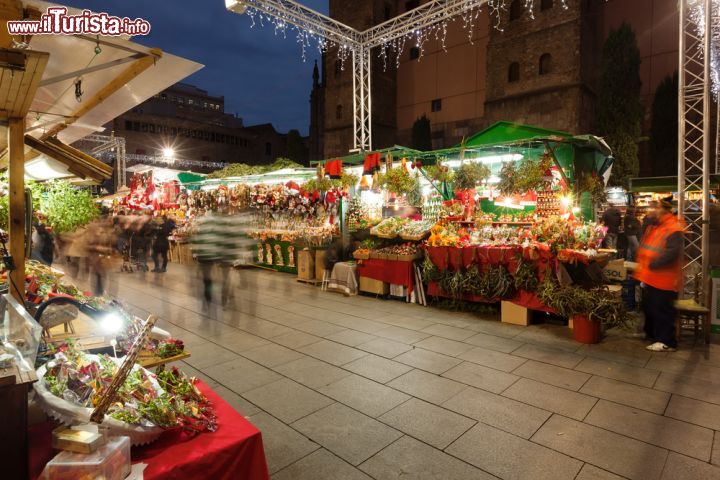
(20,335)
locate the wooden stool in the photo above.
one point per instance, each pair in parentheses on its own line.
(689,312)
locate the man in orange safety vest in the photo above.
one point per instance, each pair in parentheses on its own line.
(659,268)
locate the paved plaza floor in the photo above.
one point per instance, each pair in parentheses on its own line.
(358,387)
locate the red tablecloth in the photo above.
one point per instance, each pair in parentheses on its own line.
(235,450)
(388,271)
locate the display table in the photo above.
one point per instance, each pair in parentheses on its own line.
(389,271)
(343,278)
(235,450)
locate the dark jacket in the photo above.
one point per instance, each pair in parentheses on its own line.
(612,219)
(632,225)
(162,234)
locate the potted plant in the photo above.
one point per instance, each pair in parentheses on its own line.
(467,177)
(576,303)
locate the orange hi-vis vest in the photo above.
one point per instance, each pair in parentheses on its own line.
(652,245)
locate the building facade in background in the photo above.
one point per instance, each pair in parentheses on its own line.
(540,71)
(194,125)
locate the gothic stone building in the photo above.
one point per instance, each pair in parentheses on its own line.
(540,71)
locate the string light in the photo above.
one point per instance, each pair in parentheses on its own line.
(419,32)
(696,10)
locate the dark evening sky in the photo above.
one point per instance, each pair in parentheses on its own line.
(261,75)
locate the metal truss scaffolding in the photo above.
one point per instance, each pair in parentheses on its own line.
(110,146)
(355,43)
(694,137)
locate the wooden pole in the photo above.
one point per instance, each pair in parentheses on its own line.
(16,170)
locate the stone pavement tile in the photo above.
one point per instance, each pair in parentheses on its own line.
(295,339)
(558,376)
(548,397)
(320,465)
(715,459)
(707,391)
(433,425)
(690,368)
(272,355)
(616,453)
(481,377)
(495,327)
(319,328)
(493,342)
(426,360)
(385,348)
(512,458)
(366,396)
(680,467)
(332,352)
(351,338)
(239,341)
(287,400)
(311,372)
(401,319)
(444,346)
(591,472)
(400,334)
(552,356)
(241,375)
(409,459)
(550,336)
(242,406)
(446,331)
(694,411)
(427,386)
(350,435)
(618,350)
(209,354)
(619,371)
(263,328)
(359,324)
(655,429)
(626,394)
(212,328)
(283,445)
(501,412)
(377,368)
(490,358)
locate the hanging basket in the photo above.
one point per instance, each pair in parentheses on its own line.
(586,330)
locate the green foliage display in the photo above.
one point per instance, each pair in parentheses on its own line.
(67,208)
(399,182)
(321,185)
(619,112)
(440,173)
(468,175)
(664,128)
(349,179)
(527,175)
(421,135)
(242,169)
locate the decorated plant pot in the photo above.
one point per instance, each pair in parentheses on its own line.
(586,330)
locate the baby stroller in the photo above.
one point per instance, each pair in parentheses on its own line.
(135,254)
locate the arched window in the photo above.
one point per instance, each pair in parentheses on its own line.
(545,64)
(514,72)
(546,5)
(339,112)
(516,9)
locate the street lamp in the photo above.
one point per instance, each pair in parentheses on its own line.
(236,6)
(168,152)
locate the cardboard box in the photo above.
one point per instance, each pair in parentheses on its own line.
(514,314)
(306,265)
(615,270)
(320,264)
(376,287)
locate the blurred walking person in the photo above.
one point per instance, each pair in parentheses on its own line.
(632,229)
(161,244)
(659,260)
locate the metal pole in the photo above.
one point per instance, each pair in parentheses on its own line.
(16,180)
(368,58)
(355,105)
(681,111)
(706,146)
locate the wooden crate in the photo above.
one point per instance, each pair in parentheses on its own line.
(514,314)
(376,287)
(306,265)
